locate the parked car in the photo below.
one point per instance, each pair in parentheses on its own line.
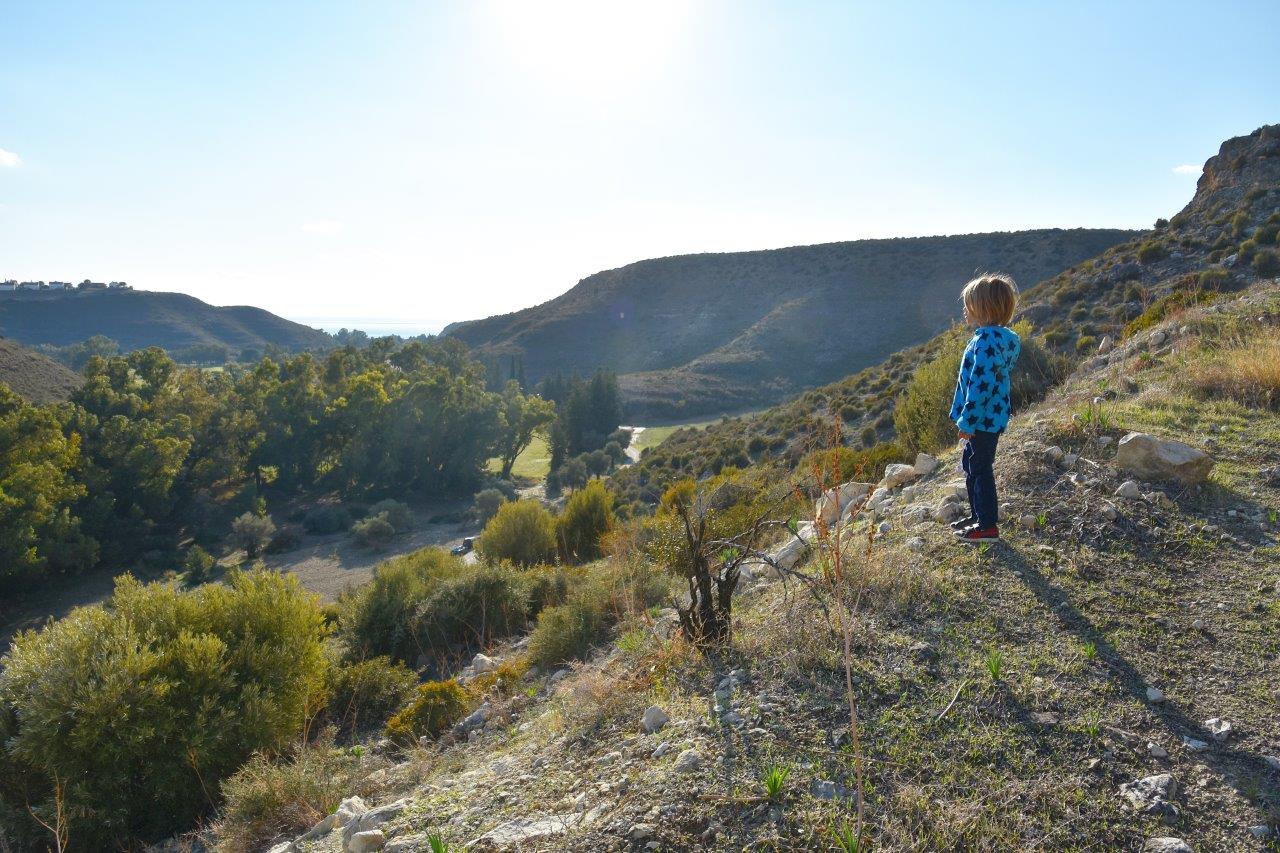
(464,548)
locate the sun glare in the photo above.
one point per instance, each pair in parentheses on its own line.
(592,47)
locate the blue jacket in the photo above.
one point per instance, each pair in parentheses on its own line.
(981,401)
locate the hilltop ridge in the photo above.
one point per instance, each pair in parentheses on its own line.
(719,332)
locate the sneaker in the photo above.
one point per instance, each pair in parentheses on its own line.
(980,534)
(964,523)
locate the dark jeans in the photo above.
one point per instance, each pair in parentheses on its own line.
(977,459)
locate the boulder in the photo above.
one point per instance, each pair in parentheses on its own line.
(482,663)
(688,761)
(364,842)
(363,824)
(898,474)
(1161,459)
(949,509)
(1152,795)
(654,718)
(1105,345)
(1129,490)
(925,464)
(833,503)
(1219,729)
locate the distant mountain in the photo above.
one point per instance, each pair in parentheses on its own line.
(717,332)
(33,376)
(141,318)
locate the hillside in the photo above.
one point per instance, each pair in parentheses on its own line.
(141,318)
(718,332)
(31,375)
(1224,239)
(1103,678)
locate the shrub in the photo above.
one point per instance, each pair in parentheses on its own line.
(267,799)
(374,531)
(573,474)
(151,699)
(1161,224)
(621,436)
(435,708)
(1151,251)
(616,454)
(252,533)
(1214,279)
(864,465)
(364,695)
(597,462)
(198,564)
(328,518)
(586,517)
(1085,343)
(377,618)
(399,516)
(471,609)
(1266,263)
(920,414)
(1167,305)
(522,532)
(487,502)
(565,632)
(1247,250)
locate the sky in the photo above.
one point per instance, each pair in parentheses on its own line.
(401,165)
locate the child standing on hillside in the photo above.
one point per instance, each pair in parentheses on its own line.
(980,407)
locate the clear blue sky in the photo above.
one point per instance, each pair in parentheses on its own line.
(427,162)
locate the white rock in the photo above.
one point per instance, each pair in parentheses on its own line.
(834,502)
(1158,337)
(1160,459)
(1105,345)
(1152,794)
(370,821)
(925,464)
(654,718)
(898,474)
(949,510)
(1218,728)
(477,718)
(1165,844)
(915,543)
(640,831)
(1129,490)
(482,663)
(1155,750)
(663,749)
(1198,624)
(284,847)
(1194,744)
(1155,694)
(1108,511)
(1054,453)
(347,809)
(322,828)
(524,832)
(363,842)
(688,761)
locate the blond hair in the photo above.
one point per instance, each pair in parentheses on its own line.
(990,298)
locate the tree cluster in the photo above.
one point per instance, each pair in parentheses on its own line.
(147,452)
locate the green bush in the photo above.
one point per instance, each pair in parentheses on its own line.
(285,539)
(144,704)
(198,564)
(252,533)
(268,799)
(377,618)
(327,518)
(399,516)
(920,415)
(487,502)
(1266,263)
(373,532)
(522,532)
(843,464)
(1086,343)
(364,695)
(1167,305)
(1214,279)
(1151,251)
(471,610)
(586,518)
(565,632)
(435,708)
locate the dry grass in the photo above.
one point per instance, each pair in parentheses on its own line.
(1245,370)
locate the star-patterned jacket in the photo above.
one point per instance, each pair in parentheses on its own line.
(981,401)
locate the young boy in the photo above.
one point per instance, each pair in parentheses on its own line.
(980,407)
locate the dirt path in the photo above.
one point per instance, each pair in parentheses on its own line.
(633,452)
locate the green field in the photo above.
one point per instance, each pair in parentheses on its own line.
(535,462)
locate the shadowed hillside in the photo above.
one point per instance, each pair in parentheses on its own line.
(716,332)
(34,377)
(139,318)
(1224,239)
